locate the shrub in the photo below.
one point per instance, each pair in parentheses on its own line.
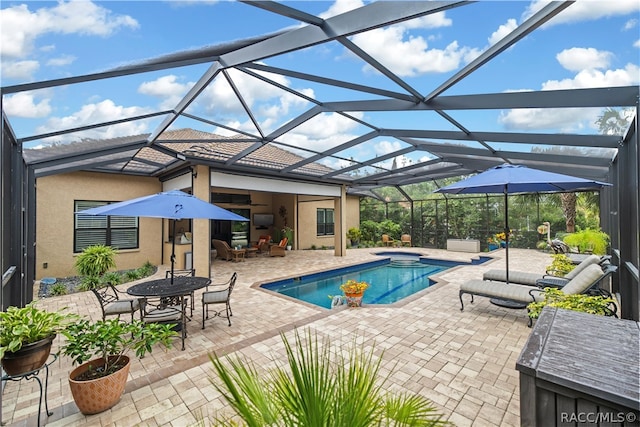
(57,289)
(113,277)
(560,265)
(577,302)
(319,387)
(96,260)
(89,282)
(588,240)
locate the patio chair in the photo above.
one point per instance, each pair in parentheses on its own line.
(111,304)
(184,273)
(387,240)
(531,279)
(583,282)
(163,310)
(262,245)
(225,251)
(405,240)
(219,296)
(280,249)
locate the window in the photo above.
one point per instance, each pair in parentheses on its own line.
(120,232)
(325,222)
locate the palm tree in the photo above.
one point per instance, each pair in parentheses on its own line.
(569,210)
(613,121)
(319,387)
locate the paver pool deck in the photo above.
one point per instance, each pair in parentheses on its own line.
(464,362)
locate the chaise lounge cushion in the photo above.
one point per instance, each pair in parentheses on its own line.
(525,294)
(527,278)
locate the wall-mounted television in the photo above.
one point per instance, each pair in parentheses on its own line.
(262,220)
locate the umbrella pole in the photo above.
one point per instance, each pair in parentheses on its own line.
(173,251)
(506,229)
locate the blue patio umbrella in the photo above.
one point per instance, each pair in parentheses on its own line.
(175,205)
(510,179)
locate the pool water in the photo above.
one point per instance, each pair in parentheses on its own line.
(391,280)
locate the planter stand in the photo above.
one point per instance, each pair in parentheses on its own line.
(34,375)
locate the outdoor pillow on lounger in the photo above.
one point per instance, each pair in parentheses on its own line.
(526,278)
(526,294)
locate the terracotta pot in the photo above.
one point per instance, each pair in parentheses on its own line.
(354,300)
(29,358)
(94,396)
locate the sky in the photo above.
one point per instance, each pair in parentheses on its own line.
(589,44)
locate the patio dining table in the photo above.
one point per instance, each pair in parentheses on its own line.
(165,288)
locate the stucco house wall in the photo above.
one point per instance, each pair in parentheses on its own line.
(307,214)
(55,197)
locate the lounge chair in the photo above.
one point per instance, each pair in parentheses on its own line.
(262,245)
(280,249)
(530,279)
(225,251)
(584,281)
(387,240)
(405,240)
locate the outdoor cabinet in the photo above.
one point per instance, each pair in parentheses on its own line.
(580,369)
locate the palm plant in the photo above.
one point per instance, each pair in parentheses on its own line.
(319,387)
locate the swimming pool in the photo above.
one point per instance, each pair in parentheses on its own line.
(393,278)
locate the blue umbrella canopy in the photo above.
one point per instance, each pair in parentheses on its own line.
(509,179)
(174,204)
(520,179)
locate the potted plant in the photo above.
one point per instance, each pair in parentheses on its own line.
(26,336)
(354,234)
(492,243)
(97,385)
(288,233)
(553,297)
(353,291)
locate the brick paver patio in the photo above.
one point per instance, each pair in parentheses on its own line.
(463,361)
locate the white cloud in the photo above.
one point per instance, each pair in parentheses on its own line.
(502,31)
(341,6)
(21,27)
(577,58)
(61,61)
(570,119)
(167,88)
(585,10)
(23,70)
(412,56)
(99,112)
(385,147)
(24,105)
(630,24)
(637,43)
(629,75)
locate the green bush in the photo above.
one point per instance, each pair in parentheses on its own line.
(577,302)
(96,260)
(57,289)
(588,240)
(90,282)
(113,277)
(370,230)
(561,265)
(318,387)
